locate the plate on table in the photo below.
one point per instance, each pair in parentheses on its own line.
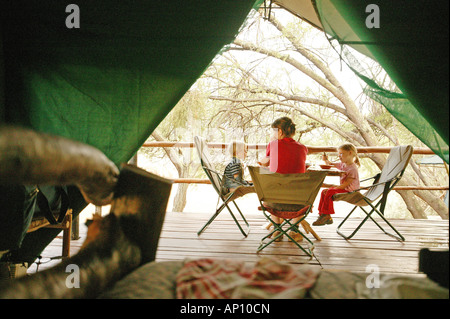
(325,166)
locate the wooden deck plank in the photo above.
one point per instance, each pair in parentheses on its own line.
(222,239)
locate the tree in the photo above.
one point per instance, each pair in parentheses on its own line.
(330,107)
(241,91)
(178,125)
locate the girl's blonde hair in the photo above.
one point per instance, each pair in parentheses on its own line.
(351,148)
(235,148)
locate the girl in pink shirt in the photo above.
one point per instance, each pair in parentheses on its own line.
(349,182)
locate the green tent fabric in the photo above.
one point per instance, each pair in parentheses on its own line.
(411,44)
(110,82)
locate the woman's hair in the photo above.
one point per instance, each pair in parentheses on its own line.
(235,148)
(286,125)
(351,148)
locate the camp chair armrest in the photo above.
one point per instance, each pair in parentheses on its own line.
(235,180)
(212,171)
(367,187)
(375,177)
(376,184)
(223,176)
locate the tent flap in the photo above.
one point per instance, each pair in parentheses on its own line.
(411,44)
(111,81)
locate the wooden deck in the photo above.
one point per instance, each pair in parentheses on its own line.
(370,246)
(222,239)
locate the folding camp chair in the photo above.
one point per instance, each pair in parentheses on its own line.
(216,180)
(384,182)
(297,189)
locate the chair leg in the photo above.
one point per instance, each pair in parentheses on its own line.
(211,219)
(397,236)
(240,213)
(310,251)
(245,233)
(294,227)
(291,227)
(66,226)
(345,219)
(276,227)
(219,210)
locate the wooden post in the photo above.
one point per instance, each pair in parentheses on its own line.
(75,228)
(98,211)
(67,234)
(307,227)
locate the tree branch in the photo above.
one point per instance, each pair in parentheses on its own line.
(170,153)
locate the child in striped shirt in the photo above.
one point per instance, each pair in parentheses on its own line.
(234,171)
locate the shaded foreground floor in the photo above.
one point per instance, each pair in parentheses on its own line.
(222,239)
(370,246)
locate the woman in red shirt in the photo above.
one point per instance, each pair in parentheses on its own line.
(286,156)
(283,154)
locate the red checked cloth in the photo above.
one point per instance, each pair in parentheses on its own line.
(231,279)
(285,214)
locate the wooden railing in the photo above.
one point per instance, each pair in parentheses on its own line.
(311,150)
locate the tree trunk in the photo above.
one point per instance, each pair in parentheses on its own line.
(362,132)
(179,202)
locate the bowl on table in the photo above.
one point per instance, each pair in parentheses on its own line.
(325,166)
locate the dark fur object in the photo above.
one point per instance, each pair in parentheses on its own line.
(125,239)
(103,261)
(28,157)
